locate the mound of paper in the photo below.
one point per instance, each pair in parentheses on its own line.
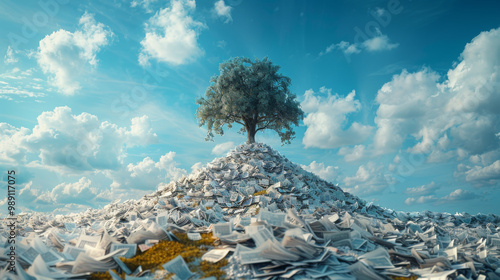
(274,220)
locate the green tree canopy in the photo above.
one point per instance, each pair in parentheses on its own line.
(252,94)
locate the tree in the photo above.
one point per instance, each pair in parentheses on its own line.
(252,94)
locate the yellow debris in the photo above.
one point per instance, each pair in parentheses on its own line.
(262,192)
(166,250)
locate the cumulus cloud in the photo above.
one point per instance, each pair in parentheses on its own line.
(327,122)
(196,166)
(457,113)
(9,56)
(147,174)
(421,200)
(223,148)
(328,173)
(379,43)
(352,154)
(79,192)
(74,142)
(484,175)
(28,193)
(422,196)
(172,35)
(422,190)
(223,11)
(475,80)
(66,55)
(369,179)
(10,138)
(459,195)
(409,105)
(485,158)
(457,117)
(474,85)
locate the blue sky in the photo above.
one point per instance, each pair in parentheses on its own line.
(97,99)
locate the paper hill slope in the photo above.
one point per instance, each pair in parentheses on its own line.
(256,174)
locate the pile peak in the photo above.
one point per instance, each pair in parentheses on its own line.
(257,175)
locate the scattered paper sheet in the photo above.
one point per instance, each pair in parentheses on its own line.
(179,267)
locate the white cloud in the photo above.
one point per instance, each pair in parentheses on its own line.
(29,194)
(79,192)
(146,4)
(223,148)
(20,83)
(222,44)
(147,174)
(66,56)
(474,85)
(34,198)
(352,154)
(7,91)
(128,182)
(70,208)
(343,46)
(423,190)
(328,173)
(9,56)
(459,113)
(222,10)
(421,200)
(172,35)
(409,105)
(140,132)
(379,43)
(489,174)
(459,195)
(369,179)
(196,166)
(438,154)
(10,139)
(327,122)
(475,81)
(456,195)
(168,164)
(454,118)
(73,142)
(486,158)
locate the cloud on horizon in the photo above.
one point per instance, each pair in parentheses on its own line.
(327,173)
(73,143)
(223,148)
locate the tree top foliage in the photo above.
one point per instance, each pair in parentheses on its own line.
(253,94)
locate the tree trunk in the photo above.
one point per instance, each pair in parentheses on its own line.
(250,133)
